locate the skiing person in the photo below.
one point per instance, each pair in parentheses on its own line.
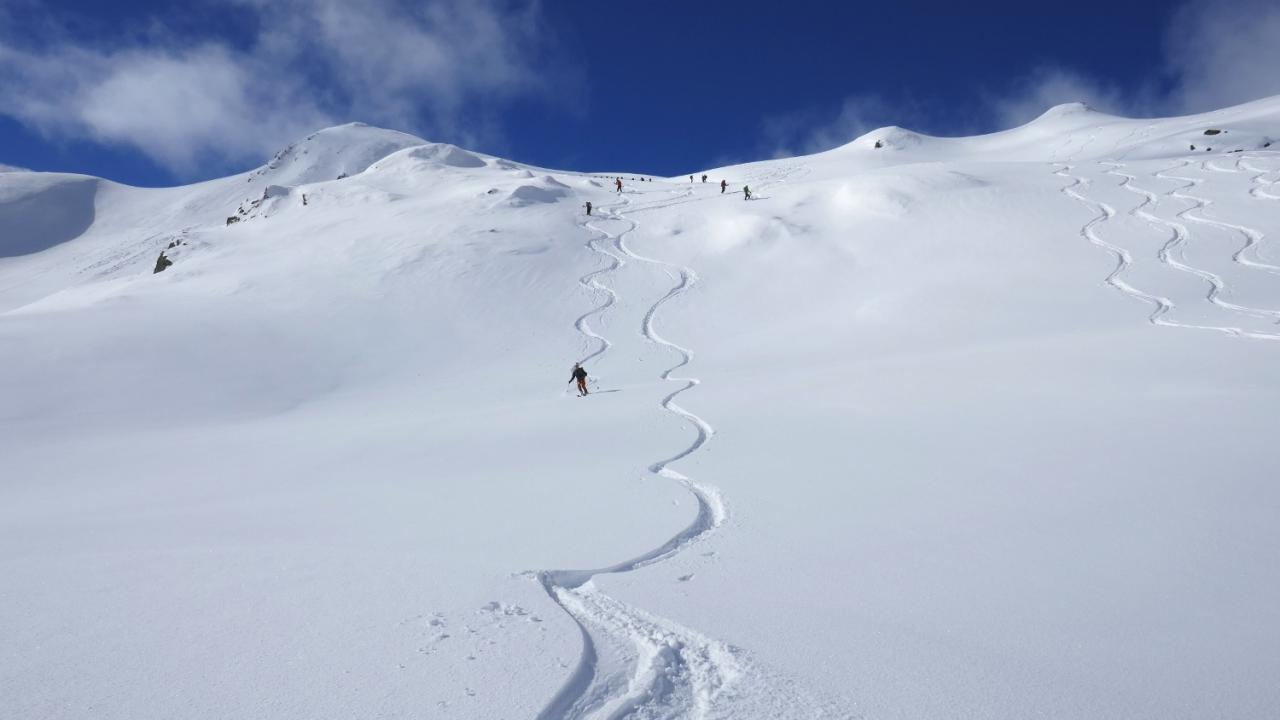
(746,193)
(581,376)
(704,179)
(618,182)
(723,184)
(588,207)
(691,178)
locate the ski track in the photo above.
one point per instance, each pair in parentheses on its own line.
(634,664)
(1248,255)
(1257,179)
(1124,260)
(1178,236)
(1244,256)
(591,282)
(1252,238)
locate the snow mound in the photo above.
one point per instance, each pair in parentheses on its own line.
(333,153)
(893,194)
(889,138)
(41,210)
(547,190)
(449,155)
(1066,110)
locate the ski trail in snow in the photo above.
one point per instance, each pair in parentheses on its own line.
(1258,182)
(591,282)
(1124,259)
(634,664)
(1181,234)
(1249,254)
(1246,255)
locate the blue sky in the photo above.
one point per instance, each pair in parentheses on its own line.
(156,93)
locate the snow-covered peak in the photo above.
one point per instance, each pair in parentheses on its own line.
(1066,110)
(332,153)
(891,137)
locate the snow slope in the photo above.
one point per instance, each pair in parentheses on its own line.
(932,427)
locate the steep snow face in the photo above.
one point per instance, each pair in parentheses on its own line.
(947,427)
(39,211)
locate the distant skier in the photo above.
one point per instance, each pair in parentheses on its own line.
(588,207)
(723,184)
(746,193)
(618,182)
(704,179)
(581,376)
(691,178)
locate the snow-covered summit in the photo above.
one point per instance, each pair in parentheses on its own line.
(332,153)
(1072,110)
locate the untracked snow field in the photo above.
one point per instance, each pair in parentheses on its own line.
(928,428)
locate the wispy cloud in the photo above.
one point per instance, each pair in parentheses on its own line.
(1223,53)
(441,69)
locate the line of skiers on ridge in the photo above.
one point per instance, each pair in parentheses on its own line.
(724,185)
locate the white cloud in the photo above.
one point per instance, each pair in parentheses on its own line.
(442,68)
(1223,54)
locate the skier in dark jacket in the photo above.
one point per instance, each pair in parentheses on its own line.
(588,207)
(618,182)
(746,193)
(723,184)
(581,376)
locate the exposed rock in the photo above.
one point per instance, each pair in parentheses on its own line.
(233,219)
(162,262)
(1212,131)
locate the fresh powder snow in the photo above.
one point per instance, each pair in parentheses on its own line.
(927,428)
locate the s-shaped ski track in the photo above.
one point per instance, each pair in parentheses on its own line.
(634,664)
